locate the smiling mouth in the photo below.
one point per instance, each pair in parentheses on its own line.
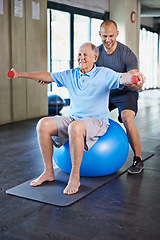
(108,43)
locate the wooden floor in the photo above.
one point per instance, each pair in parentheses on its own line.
(127,208)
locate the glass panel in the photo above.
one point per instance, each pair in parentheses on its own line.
(95,26)
(81,33)
(155,64)
(148,51)
(60,36)
(60,46)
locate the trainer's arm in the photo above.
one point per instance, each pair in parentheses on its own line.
(127,78)
(40,77)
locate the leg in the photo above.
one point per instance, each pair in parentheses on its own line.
(46,128)
(132,132)
(77,133)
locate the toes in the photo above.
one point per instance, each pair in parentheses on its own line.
(70,191)
(34,183)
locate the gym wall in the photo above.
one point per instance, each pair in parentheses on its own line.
(23,45)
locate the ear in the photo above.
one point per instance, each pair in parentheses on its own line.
(95,56)
(117,33)
(100,33)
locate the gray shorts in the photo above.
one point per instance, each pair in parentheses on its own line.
(95,127)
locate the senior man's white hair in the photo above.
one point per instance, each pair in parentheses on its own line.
(93,47)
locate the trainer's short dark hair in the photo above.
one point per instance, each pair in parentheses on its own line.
(108,22)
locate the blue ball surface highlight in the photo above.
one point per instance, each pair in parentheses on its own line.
(106,156)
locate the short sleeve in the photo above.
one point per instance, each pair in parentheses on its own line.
(131,60)
(60,78)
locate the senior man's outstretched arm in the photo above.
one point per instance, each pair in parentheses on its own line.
(41,77)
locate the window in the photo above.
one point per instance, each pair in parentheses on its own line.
(60,40)
(59,44)
(81,33)
(148,52)
(68,28)
(85,30)
(95,26)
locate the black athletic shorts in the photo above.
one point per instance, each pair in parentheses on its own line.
(127,100)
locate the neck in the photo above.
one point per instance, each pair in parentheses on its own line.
(86,70)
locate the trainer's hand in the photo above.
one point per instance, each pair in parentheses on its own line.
(141,80)
(139,77)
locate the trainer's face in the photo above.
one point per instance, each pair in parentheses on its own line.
(86,58)
(108,36)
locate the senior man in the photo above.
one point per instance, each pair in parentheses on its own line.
(88,88)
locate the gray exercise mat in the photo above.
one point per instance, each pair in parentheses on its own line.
(52,192)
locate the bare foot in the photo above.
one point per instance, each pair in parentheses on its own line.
(72,186)
(45,176)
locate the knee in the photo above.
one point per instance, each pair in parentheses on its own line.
(127,120)
(76,128)
(42,125)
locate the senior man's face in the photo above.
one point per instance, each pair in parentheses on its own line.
(86,58)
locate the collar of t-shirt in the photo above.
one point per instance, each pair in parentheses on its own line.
(89,74)
(84,78)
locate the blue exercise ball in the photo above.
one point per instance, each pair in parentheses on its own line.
(55,104)
(106,156)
